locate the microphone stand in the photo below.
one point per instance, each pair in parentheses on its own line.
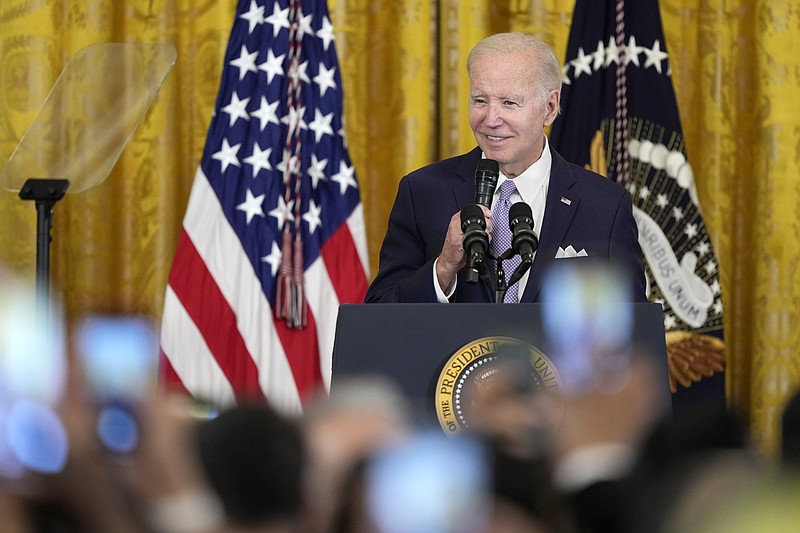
(501,285)
(522,268)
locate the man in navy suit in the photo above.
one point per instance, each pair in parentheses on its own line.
(515,92)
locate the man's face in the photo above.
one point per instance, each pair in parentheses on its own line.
(506,110)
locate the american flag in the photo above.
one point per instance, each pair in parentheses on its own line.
(273,238)
(620,117)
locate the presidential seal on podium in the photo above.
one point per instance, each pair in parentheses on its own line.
(476,369)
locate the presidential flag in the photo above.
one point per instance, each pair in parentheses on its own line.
(620,118)
(273,238)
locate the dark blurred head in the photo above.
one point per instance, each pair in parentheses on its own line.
(704,430)
(525,484)
(254,460)
(682,455)
(790,431)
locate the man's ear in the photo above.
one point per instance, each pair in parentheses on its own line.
(552,108)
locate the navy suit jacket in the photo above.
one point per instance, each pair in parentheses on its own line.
(583,209)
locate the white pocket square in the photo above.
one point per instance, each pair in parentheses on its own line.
(569,251)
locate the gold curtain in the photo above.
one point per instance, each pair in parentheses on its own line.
(735,70)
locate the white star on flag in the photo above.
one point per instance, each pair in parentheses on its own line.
(654,56)
(326,33)
(299,72)
(582,63)
(279,19)
(259,159)
(304,27)
(599,56)
(632,51)
(273,259)
(612,52)
(312,216)
(316,170)
(282,212)
(227,155)
(294,117)
(252,205)
(321,125)
(345,177)
(254,16)
(246,62)
(325,78)
(273,65)
(237,108)
(266,113)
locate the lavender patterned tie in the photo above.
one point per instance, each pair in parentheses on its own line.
(501,235)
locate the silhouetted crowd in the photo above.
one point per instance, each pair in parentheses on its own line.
(363,459)
(357,462)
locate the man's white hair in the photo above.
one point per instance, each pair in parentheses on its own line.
(500,44)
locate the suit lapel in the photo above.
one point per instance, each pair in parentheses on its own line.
(464,191)
(560,206)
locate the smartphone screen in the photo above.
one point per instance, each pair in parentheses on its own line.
(33,375)
(588,322)
(432,483)
(119,356)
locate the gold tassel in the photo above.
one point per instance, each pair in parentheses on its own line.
(300,315)
(284,298)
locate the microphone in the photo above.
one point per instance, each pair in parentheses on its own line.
(475,240)
(524,241)
(486,175)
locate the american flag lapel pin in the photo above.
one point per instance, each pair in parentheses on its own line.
(566,201)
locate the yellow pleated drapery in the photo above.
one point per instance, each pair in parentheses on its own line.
(734,67)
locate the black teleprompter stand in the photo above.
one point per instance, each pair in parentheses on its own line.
(45,192)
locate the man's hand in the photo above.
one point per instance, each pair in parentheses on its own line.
(452,258)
